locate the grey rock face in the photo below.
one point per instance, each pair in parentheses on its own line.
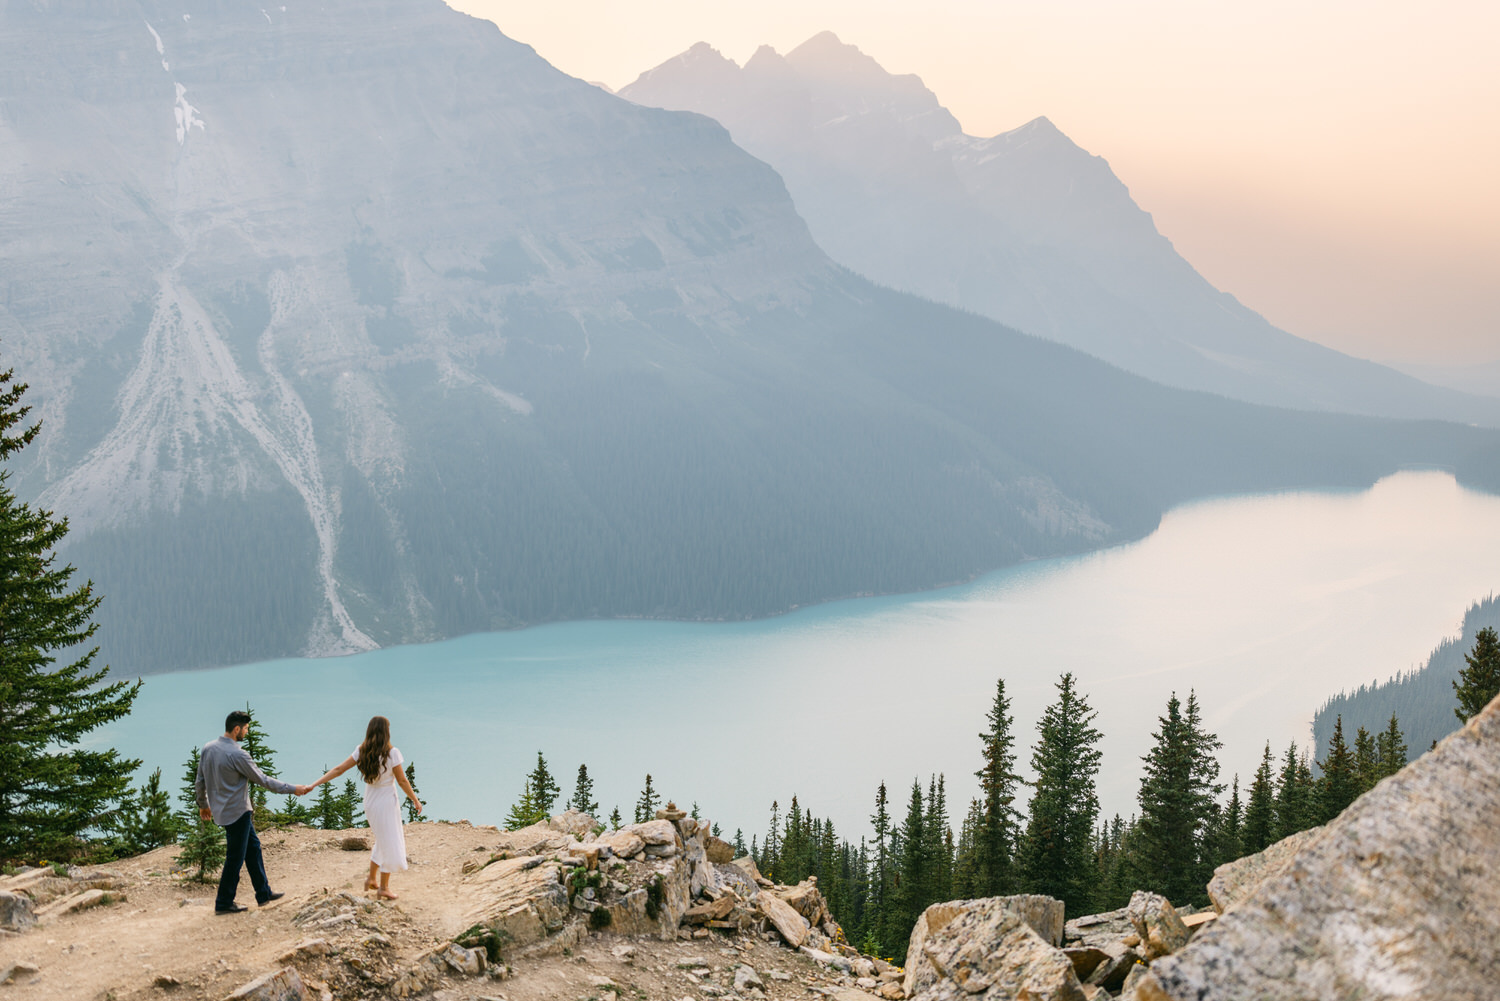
(1043,915)
(1156,922)
(1234,881)
(1398,898)
(16,912)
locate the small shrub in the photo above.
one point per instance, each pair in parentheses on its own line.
(600,918)
(656,893)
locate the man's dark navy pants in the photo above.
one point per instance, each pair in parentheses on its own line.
(242,848)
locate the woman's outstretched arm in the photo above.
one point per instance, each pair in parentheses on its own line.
(335,772)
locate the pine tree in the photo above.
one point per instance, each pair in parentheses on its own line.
(259,748)
(1390,748)
(1055,850)
(146,819)
(202,840)
(739,843)
(1294,810)
(995,839)
(293,811)
(1260,811)
(1230,846)
(914,887)
(409,807)
(544,788)
(769,858)
(583,793)
(523,812)
(1366,761)
(1176,807)
(645,807)
(325,809)
(351,806)
(1479,682)
(939,847)
(52,790)
(879,907)
(615,820)
(966,867)
(1339,784)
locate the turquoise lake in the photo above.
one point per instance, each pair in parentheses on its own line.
(1266,605)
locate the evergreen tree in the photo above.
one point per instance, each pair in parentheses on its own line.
(409,807)
(1479,682)
(1176,807)
(202,840)
(523,812)
(967,881)
(544,788)
(1230,843)
(1339,784)
(1260,811)
(52,790)
(146,819)
(1390,748)
(739,843)
(294,811)
(1056,848)
(914,873)
(939,847)
(879,907)
(324,813)
(769,859)
(1366,761)
(583,793)
(259,748)
(351,806)
(645,807)
(615,820)
(1294,808)
(995,838)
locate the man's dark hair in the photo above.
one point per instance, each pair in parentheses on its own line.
(237,718)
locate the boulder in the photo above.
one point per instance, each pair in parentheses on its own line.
(631,914)
(622,844)
(654,832)
(792,926)
(1398,897)
(720,852)
(1234,881)
(282,985)
(745,978)
(538,839)
(574,822)
(1098,929)
(747,864)
(989,952)
(1085,959)
(1156,922)
(524,901)
(1043,914)
(16,913)
(1114,969)
(806,900)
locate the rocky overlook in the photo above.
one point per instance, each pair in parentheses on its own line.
(1392,900)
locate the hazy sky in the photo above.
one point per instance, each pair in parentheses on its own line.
(1335,165)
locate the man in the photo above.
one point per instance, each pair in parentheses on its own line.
(225,772)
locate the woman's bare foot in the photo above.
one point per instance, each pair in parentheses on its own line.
(370,885)
(385,895)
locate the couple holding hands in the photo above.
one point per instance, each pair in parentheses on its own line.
(222,787)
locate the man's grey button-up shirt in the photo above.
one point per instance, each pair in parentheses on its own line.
(225,772)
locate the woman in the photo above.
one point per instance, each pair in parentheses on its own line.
(380,766)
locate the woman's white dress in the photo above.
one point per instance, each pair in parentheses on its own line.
(383,814)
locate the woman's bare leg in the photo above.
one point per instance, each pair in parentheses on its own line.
(385,887)
(370,883)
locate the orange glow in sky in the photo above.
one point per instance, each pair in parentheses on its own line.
(1335,165)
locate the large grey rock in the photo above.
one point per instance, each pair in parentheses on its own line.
(574,822)
(1156,922)
(1098,929)
(1234,881)
(659,833)
(16,912)
(1043,914)
(1399,898)
(987,951)
(1120,959)
(792,926)
(524,901)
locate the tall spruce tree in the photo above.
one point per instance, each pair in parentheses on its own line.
(258,746)
(1259,830)
(583,793)
(645,807)
(1479,680)
(1366,761)
(1390,748)
(524,812)
(1294,805)
(544,788)
(995,838)
(879,907)
(939,847)
(408,807)
(52,791)
(915,883)
(966,872)
(769,859)
(1176,798)
(146,819)
(1056,848)
(1339,784)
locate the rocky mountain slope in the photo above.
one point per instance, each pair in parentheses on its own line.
(357,323)
(1024,227)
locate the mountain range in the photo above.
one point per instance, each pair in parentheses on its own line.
(353,324)
(1024,227)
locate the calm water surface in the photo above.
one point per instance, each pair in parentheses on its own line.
(1265,605)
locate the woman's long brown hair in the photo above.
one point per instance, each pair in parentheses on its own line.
(375,749)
